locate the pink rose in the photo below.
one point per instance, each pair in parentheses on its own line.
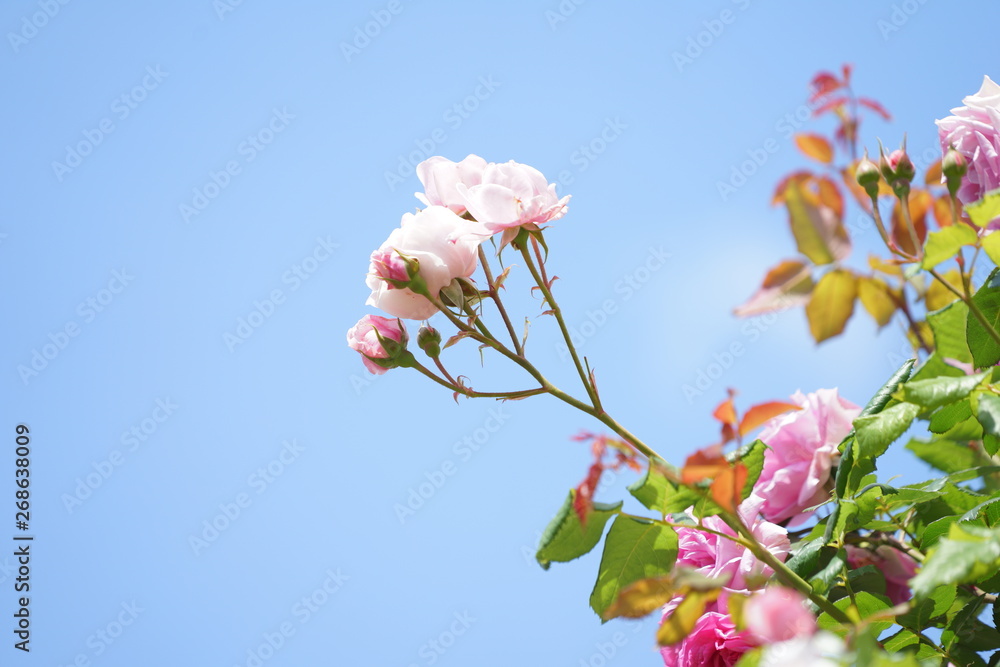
(363,337)
(974,130)
(897,567)
(802,449)
(715,556)
(440,177)
(511,195)
(446,248)
(713,642)
(778,614)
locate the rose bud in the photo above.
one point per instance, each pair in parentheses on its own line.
(381,341)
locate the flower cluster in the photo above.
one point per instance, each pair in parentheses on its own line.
(467,202)
(802,450)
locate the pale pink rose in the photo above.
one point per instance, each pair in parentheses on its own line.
(897,567)
(512,195)
(715,556)
(363,337)
(802,447)
(444,244)
(823,649)
(713,642)
(974,131)
(440,177)
(778,614)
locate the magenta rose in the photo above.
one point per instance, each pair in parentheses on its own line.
(444,245)
(713,642)
(441,176)
(511,195)
(974,131)
(778,614)
(896,566)
(377,355)
(802,447)
(715,556)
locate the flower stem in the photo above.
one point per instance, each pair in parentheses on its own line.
(973,308)
(557,312)
(495,295)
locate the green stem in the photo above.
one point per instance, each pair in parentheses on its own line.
(471,393)
(783,572)
(973,308)
(495,295)
(550,300)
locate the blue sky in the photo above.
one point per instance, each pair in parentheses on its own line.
(193,191)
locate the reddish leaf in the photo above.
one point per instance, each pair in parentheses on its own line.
(874,106)
(845,71)
(815,146)
(763,412)
(829,195)
(823,84)
(829,104)
(583,499)
(727,488)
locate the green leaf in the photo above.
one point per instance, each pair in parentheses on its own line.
(868,604)
(944,244)
(565,538)
(751,456)
(991,244)
(985,210)
(659,494)
(945,455)
(948,326)
(988,414)
(884,394)
(939,391)
(876,432)
(949,416)
(967,555)
(935,366)
(985,349)
(633,550)
(923,612)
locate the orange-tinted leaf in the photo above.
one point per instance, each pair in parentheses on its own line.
(704,464)
(727,487)
(933,174)
(801,177)
(725,412)
(876,296)
(942,211)
(919,202)
(829,195)
(832,304)
(642,598)
(815,146)
(763,412)
(787,284)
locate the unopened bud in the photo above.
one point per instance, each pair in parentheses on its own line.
(868,176)
(897,169)
(954,166)
(429,340)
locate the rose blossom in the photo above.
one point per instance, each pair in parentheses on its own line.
(974,131)
(823,649)
(778,614)
(802,446)
(511,195)
(440,177)
(713,642)
(363,337)
(715,556)
(444,244)
(896,566)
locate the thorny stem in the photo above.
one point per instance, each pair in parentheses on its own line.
(557,312)
(495,295)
